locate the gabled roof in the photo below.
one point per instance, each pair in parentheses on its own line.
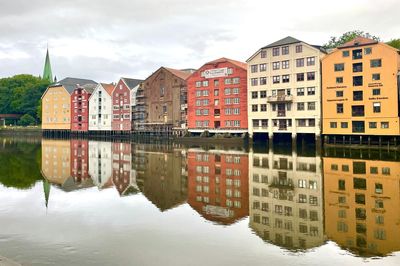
(358,41)
(179,73)
(70,83)
(285,41)
(89,87)
(131,83)
(107,87)
(234,62)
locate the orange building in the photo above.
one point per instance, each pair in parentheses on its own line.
(218,185)
(362,199)
(360,83)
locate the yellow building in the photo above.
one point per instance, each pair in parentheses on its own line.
(56,166)
(362,199)
(56,103)
(360,83)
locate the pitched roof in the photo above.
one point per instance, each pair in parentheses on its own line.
(285,41)
(108,87)
(358,41)
(70,83)
(224,59)
(179,73)
(131,83)
(89,87)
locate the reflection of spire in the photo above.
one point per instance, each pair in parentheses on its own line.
(47,73)
(46,189)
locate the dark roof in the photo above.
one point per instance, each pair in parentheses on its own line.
(284,41)
(132,83)
(70,83)
(89,87)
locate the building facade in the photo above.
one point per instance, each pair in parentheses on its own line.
(79,160)
(165,99)
(361,89)
(217,97)
(100,163)
(284,88)
(56,103)
(80,107)
(100,108)
(121,103)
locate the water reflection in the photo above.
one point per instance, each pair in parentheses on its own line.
(296,200)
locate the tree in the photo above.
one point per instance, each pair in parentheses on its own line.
(26,120)
(394,43)
(346,37)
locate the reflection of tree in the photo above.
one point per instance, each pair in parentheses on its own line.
(19,165)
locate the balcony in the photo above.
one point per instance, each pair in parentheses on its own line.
(280,98)
(140,94)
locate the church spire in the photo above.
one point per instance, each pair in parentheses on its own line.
(47,74)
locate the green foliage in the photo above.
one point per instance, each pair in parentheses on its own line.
(394,43)
(346,37)
(21,94)
(27,120)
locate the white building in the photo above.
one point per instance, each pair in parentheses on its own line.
(100,108)
(100,163)
(284,88)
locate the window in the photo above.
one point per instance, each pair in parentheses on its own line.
(368,50)
(357,67)
(300,76)
(376,62)
(341,184)
(310,61)
(373,170)
(263,80)
(299,48)
(263,107)
(285,78)
(275,65)
(339,93)
(378,188)
(333,124)
(198,93)
(346,53)
(300,106)
(205,83)
(254,94)
(236,80)
(228,81)
(285,64)
(376,76)
(360,198)
(275,51)
(254,108)
(339,108)
(300,91)
(198,84)
(357,110)
(254,68)
(256,123)
(263,54)
(339,80)
(254,81)
(339,67)
(376,92)
(358,126)
(235,90)
(357,95)
(344,125)
(357,81)
(263,94)
(216,83)
(357,54)
(310,75)
(311,91)
(384,124)
(285,50)
(300,62)
(276,79)
(372,125)
(385,170)
(263,67)
(311,106)
(198,112)
(205,92)
(198,102)
(377,107)
(359,183)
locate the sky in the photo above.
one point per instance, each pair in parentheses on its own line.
(104,40)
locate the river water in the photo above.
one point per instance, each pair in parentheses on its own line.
(86,202)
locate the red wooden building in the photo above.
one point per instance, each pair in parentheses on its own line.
(79,160)
(123,178)
(217,97)
(218,185)
(121,101)
(80,107)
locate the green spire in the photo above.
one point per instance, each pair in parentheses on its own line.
(47,74)
(46,189)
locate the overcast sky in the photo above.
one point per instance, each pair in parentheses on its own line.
(104,40)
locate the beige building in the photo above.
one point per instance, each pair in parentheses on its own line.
(286,199)
(284,88)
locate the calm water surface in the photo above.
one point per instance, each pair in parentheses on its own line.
(80,202)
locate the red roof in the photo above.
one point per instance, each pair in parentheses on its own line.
(108,87)
(179,73)
(223,59)
(358,41)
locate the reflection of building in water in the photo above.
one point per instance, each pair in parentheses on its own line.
(79,159)
(57,164)
(124,178)
(218,184)
(286,199)
(160,177)
(362,199)
(100,163)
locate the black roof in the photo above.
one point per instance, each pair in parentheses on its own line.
(70,83)
(284,41)
(132,83)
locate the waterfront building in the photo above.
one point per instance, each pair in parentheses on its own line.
(79,160)
(360,81)
(123,176)
(217,97)
(80,107)
(362,199)
(56,103)
(122,109)
(164,95)
(218,184)
(100,108)
(284,92)
(286,199)
(100,163)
